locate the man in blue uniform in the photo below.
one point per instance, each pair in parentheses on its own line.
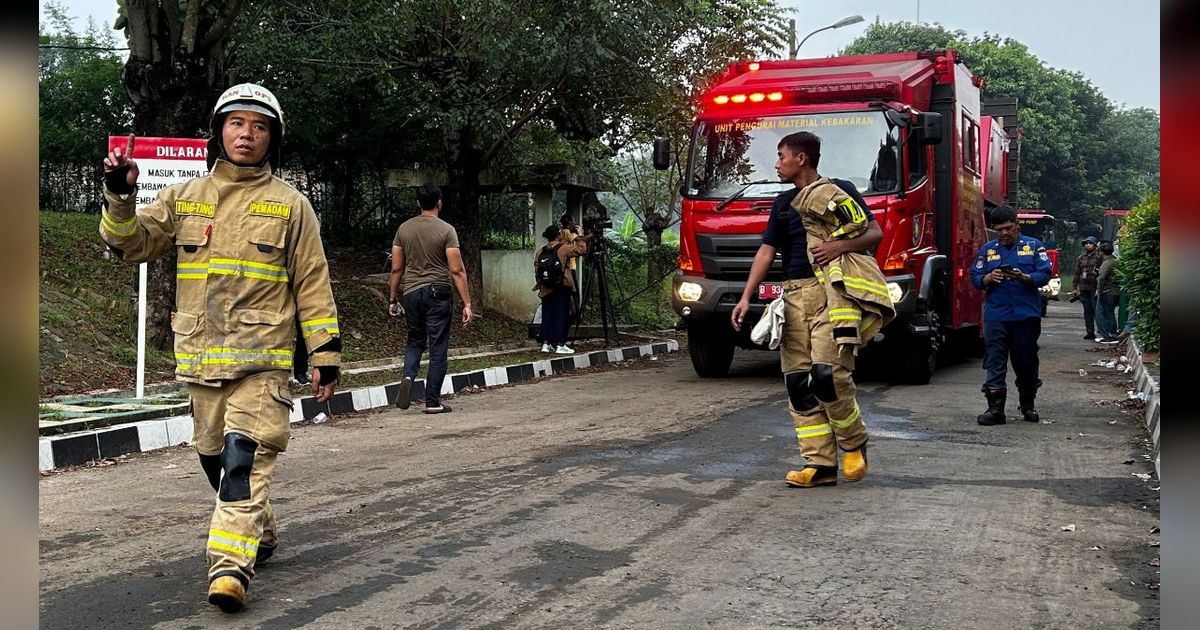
(1010,269)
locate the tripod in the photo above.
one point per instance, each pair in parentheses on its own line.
(598,265)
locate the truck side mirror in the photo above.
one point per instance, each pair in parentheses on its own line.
(930,126)
(662,154)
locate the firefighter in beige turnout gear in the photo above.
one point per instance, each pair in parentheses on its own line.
(250,267)
(819,343)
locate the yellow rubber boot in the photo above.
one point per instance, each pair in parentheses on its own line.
(854,464)
(809,476)
(227,593)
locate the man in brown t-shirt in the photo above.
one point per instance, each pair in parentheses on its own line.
(425,260)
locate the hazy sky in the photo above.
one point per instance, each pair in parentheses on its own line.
(1115,43)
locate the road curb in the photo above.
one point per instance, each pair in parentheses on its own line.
(1145,383)
(75,449)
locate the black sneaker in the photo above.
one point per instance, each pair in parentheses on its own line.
(1108,342)
(1089,336)
(404,396)
(442,408)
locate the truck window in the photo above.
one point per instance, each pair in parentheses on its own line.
(729,153)
(916,160)
(970,144)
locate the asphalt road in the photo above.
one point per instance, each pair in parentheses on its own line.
(645,497)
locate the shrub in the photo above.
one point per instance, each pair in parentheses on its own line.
(1138,268)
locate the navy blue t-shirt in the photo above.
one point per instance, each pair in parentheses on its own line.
(799,267)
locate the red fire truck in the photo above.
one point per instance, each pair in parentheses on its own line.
(907,129)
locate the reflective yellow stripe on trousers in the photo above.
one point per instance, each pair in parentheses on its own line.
(815,430)
(232,543)
(846,422)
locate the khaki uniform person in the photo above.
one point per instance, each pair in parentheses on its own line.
(830,306)
(250,266)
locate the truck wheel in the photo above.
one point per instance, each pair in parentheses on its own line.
(922,357)
(711,350)
(923,354)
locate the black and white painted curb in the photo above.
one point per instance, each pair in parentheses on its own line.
(79,448)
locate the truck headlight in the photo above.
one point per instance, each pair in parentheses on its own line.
(895,292)
(690,292)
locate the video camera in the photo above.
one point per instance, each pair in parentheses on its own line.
(596,224)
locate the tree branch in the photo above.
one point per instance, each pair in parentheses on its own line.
(532,109)
(226,16)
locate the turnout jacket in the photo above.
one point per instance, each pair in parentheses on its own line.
(856,294)
(250,266)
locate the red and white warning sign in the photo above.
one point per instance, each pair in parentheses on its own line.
(163,162)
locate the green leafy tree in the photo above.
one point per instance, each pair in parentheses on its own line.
(1139,268)
(470,78)
(80,103)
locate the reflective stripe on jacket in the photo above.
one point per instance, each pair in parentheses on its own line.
(250,263)
(856,295)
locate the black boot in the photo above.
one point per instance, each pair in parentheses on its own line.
(1028,413)
(995,410)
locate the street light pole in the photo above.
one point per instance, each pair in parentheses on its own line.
(853,19)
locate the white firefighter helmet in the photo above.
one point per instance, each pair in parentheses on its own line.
(247,97)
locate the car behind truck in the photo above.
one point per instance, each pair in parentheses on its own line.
(908,130)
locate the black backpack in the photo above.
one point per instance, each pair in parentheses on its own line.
(548,269)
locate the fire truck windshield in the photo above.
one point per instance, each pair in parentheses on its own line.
(860,147)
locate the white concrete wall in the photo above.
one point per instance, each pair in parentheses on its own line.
(508,282)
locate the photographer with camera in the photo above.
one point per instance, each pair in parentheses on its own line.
(555,284)
(1010,269)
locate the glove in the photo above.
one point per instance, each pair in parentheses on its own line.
(395,309)
(329,373)
(115,181)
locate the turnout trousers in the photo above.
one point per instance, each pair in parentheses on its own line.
(818,374)
(245,423)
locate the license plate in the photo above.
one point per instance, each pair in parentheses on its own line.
(769,290)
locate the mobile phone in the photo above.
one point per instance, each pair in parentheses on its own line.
(1007,268)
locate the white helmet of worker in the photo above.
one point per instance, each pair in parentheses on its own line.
(246,97)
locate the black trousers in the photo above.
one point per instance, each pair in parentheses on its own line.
(1018,340)
(556,316)
(1088,298)
(427,313)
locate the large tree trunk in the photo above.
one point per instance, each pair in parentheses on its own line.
(173,105)
(461,205)
(175,71)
